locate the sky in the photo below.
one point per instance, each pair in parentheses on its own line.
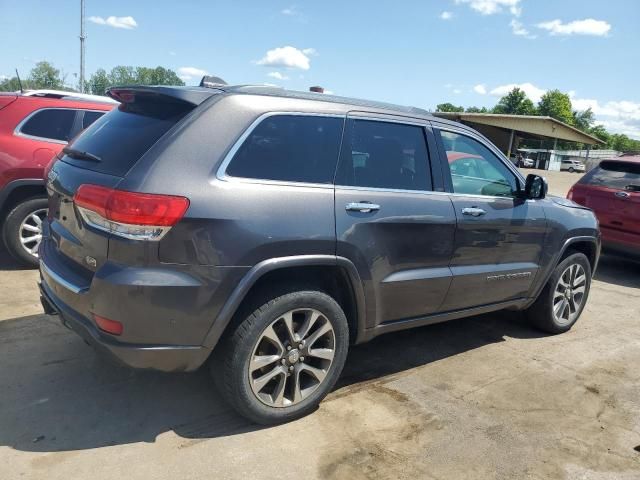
(410,52)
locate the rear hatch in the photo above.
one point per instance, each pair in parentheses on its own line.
(101,156)
(612,191)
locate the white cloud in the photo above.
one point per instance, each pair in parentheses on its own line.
(457,91)
(446,15)
(533,92)
(127,23)
(517,28)
(289,11)
(480,88)
(588,26)
(309,51)
(288,56)
(277,76)
(187,73)
(490,7)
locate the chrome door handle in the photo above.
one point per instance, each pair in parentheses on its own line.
(622,194)
(473,211)
(364,207)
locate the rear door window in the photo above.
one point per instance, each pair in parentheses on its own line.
(615,174)
(378,154)
(50,124)
(122,136)
(290,148)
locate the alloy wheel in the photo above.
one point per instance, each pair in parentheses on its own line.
(292,357)
(30,231)
(569,294)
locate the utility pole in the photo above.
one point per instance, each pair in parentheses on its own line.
(82,38)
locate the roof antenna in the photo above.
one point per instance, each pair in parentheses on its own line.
(19,81)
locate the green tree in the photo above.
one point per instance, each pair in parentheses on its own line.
(515,103)
(11,85)
(123,75)
(477,110)
(448,107)
(557,105)
(98,82)
(583,120)
(45,75)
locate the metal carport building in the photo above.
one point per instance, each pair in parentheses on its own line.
(506,131)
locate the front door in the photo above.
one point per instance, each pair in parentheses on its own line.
(389,221)
(499,235)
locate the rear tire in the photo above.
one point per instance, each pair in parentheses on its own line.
(571,170)
(22,230)
(563,298)
(284,358)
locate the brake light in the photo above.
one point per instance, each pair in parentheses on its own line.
(110,326)
(139,216)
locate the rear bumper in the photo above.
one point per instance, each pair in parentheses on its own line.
(166,358)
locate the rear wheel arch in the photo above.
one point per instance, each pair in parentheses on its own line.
(335,276)
(19,191)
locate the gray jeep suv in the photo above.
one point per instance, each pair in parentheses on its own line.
(263,231)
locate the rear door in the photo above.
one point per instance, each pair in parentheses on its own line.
(612,191)
(499,236)
(390,221)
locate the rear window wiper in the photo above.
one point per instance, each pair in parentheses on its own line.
(80,155)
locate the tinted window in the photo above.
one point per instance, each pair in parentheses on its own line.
(384,155)
(90,117)
(51,123)
(291,148)
(615,174)
(124,134)
(475,170)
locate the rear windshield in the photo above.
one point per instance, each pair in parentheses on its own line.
(121,137)
(615,174)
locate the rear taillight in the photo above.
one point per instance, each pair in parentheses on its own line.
(139,216)
(570,194)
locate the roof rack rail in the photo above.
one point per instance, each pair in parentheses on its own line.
(62,94)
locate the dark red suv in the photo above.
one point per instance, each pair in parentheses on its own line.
(612,191)
(34,127)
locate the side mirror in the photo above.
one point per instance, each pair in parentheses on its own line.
(535,187)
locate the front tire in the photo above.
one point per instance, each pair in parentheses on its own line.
(284,358)
(563,298)
(571,170)
(22,230)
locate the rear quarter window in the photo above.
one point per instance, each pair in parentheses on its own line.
(292,148)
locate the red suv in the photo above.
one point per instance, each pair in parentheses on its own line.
(34,127)
(612,191)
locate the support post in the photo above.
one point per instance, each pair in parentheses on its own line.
(510,145)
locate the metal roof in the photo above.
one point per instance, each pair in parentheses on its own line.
(531,124)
